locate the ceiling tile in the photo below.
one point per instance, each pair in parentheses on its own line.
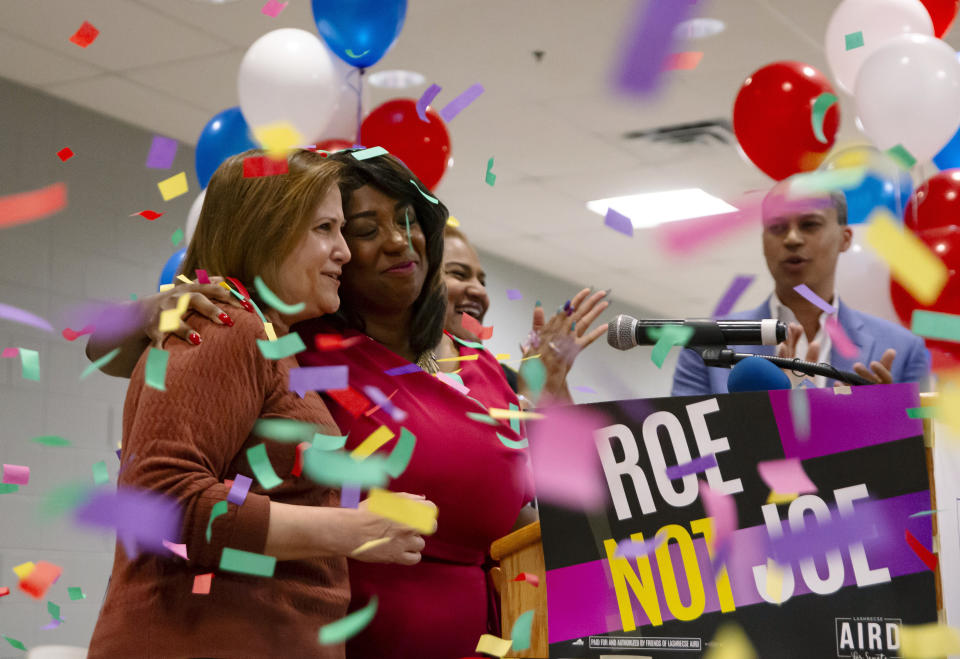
(209,82)
(32,65)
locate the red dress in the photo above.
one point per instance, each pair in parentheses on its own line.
(437,608)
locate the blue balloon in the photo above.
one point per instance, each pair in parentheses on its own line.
(949,156)
(360,32)
(876,191)
(171,267)
(227,134)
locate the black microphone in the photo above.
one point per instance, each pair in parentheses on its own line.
(625,332)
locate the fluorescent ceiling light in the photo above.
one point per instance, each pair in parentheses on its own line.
(396,79)
(653,208)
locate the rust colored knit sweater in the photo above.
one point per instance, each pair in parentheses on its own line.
(184,442)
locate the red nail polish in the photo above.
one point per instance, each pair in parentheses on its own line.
(246,305)
(226,320)
(194,338)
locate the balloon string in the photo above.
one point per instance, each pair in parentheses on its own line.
(359,92)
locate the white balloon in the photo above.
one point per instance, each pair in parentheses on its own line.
(863,279)
(343,123)
(288,75)
(194,215)
(878,21)
(908,93)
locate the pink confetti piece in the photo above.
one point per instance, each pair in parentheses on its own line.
(178,549)
(10,353)
(273,8)
(457,105)
(33,205)
(16,474)
(739,284)
(723,509)
(202,277)
(473,326)
(841,341)
(425,100)
(453,382)
(814,299)
(531,579)
(239,489)
(201,583)
(686,61)
(786,476)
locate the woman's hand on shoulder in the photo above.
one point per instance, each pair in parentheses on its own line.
(209,300)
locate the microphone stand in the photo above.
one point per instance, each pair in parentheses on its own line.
(724,357)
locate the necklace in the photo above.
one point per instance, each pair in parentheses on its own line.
(427,360)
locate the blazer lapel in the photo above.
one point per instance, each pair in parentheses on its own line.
(852,324)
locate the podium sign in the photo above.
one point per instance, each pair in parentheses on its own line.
(862,452)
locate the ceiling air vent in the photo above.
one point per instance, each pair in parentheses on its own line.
(707,132)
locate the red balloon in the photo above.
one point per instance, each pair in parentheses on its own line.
(945,243)
(772,118)
(423,146)
(334,144)
(942,12)
(935,204)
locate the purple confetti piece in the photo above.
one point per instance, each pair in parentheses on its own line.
(457,105)
(239,489)
(695,466)
(118,454)
(425,100)
(403,370)
(162,152)
(814,299)
(632,549)
(24,317)
(514,294)
(585,390)
(140,517)
(53,624)
(739,284)
(816,539)
(618,222)
(111,319)
(349,496)
(385,403)
(649,42)
(318,378)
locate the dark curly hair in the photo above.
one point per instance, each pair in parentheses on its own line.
(391,177)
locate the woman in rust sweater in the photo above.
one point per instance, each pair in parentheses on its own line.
(185,441)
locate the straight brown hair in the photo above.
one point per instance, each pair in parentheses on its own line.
(248,226)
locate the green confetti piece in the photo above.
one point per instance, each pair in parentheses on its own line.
(406,217)
(29,364)
(667,337)
(822,103)
(285,346)
(323,442)
(8,488)
(432,200)
(284,430)
(61,500)
(469,344)
(14,642)
(490,178)
(271,298)
(219,508)
(923,412)
(53,610)
(515,423)
(100,475)
(262,469)
(156,372)
(510,443)
(50,440)
(903,157)
(853,40)
(176,237)
(520,634)
(133,297)
(935,325)
(336,468)
(400,456)
(247,562)
(926,513)
(347,627)
(76,593)
(353,55)
(814,183)
(534,374)
(103,361)
(483,418)
(372,152)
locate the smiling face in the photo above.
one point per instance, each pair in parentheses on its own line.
(389,261)
(466,286)
(311,272)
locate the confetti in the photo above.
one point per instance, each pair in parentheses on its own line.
(510,443)
(483,418)
(841,341)
(522,627)
(902,157)
(374,440)
(723,509)
(274,301)
(648,44)
(416,514)
(71,335)
(821,104)
(629,548)
(695,466)
(786,476)
(14,642)
(318,378)
(6,488)
(50,440)
(931,412)
(289,345)
(930,640)
(424,101)
(618,222)
(176,238)
(259,166)
(460,103)
(490,644)
(383,401)
(173,187)
(76,593)
(170,318)
(452,221)
(667,337)
(736,288)
(65,154)
(201,583)
(31,206)
(730,643)
(246,562)
(911,262)
(500,413)
(262,469)
(284,430)
(4,591)
(16,474)
(348,626)
(929,558)
(163,151)
(325,342)
(272,9)
(40,579)
(239,489)
(490,177)
(278,138)
(804,291)
(926,513)
(148,214)
(563,454)
(473,326)
(336,468)
(178,549)
(350,399)
(531,579)
(140,517)
(349,496)
(219,508)
(85,35)
(372,152)
(328,442)
(432,200)
(935,325)
(685,61)
(354,55)
(156,372)
(853,40)
(514,294)
(100,475)
(837,531)
(23,570)
(368,545)
(98,364)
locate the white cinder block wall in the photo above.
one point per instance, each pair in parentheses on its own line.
(95,250)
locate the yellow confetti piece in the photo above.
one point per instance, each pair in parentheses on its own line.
(174,186)
(23,570)
(368,545)
(730,643)
(494,645)
(911,262)
(278,138)
(184,279)
(170,319)
(165,287)
(925,641)
(842,390)
(419,515)
(776,497)
(500,413)
(949,405)
(452,221)
(774,581)
(464,358)
(502,356)
(271,334)
(374,440)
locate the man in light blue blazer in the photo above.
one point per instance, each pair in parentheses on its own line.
(802,241)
